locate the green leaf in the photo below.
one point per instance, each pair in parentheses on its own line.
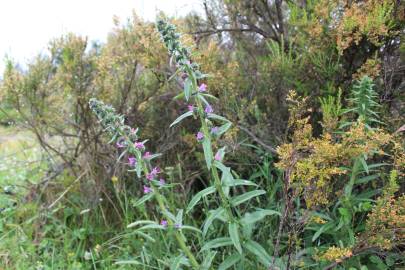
(213,215)
(230,261)
(259,251)
(181,117)
(207,152)
(366,179)
(364,163)
(224,128)
(169,215)
(128,262)
(179,217)
(210,96)
(140,222)
(177,262)
(142,200)
(246,196)
(197,197)
(227,178)
(146,236)
(258,215)
(321,230)
(216,243)
(206,265)
(217,117)
(242,182)
(188,86)
(152,226)
(138,168)
(234,234)
(190,228)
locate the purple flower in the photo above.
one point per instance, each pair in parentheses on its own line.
(218,156)
(146,190)
(177,226)
(209,109)
(147,155)
(150,176)
(163,223)
(162,182)
(120,145)
(202,88)
(155,171)
(190,108)
(139,145)
(199,136)
(214,130)
(132,161)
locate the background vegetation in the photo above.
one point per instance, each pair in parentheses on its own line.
(314,91)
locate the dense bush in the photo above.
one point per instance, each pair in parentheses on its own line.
(285,148)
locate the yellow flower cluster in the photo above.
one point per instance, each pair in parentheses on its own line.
(315,164)
(386,223)
(335,254)
(318,220)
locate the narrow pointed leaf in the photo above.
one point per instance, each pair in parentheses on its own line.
(181,117)
(246,196)
(216,243)
(234,234)
(213,215)
(197,197)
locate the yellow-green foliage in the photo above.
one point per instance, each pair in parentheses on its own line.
(385,226)
(315,164)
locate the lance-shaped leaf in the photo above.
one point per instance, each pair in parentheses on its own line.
(230,261)
(212,216)
(188,87)
(207,152)
(197,197)
(258,215)
(181,117)
(246,196)
(234,234)
(218,242)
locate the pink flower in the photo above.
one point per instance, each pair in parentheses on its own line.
(199,136)
(190,108)
(139,145)
(120,145)
(147,155)
(202,88)
(163,223)
(162,182)
(132,161)
(155,171)
(218,156)
(214,130)
(209,109)
(146,190)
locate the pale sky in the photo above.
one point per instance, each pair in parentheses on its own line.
(26,26)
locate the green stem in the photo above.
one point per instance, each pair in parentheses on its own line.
(179,236)
(214,172)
